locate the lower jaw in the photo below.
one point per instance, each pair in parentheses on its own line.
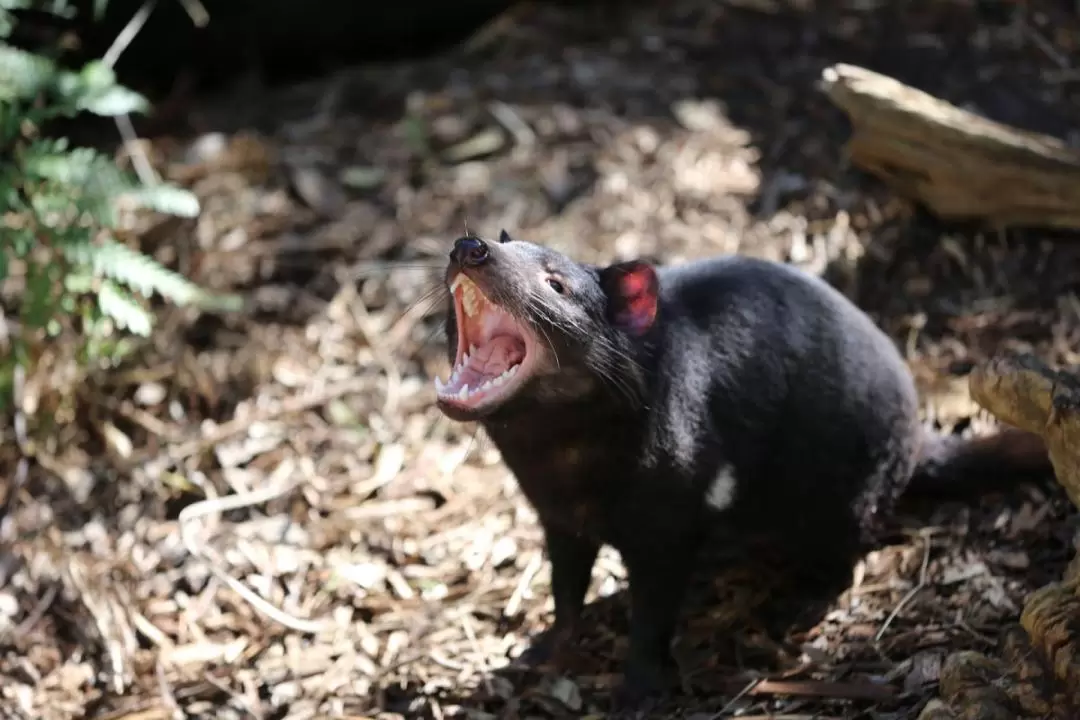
(456,410)
(460,413)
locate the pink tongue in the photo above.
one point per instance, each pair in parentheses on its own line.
(493,359)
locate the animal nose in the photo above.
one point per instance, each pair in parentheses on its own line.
(469,251)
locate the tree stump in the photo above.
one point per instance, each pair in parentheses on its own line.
(1037,673)
(959,165)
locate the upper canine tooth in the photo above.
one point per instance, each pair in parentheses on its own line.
(469,300)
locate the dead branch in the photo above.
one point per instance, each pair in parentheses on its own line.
(960,165)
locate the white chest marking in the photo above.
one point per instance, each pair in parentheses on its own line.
(721,493)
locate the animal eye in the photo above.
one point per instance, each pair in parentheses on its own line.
(556,286)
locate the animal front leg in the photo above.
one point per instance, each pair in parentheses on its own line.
(572,558)
(658,584)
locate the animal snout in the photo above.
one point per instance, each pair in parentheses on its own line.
(470,251)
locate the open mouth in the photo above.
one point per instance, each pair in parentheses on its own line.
(494,351)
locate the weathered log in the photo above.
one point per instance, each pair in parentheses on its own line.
(1037,673)
(1022,391)
(959,165)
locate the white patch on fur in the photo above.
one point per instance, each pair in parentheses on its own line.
(721,494)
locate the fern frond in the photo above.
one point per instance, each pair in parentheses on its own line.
(78,167)
(124,310)
(81,177)
(168,199)
(141,273)
(95,89)
(23,75)
(59,8)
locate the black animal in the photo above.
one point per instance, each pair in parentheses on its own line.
(652,408)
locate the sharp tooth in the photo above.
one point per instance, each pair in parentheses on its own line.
(485,386)
(470,300)
(464,392)
(472,349)
(498,380)
(439,385)
(464,359)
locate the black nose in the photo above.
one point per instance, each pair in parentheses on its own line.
(469,251)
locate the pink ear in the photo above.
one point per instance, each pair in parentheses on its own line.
(633,294)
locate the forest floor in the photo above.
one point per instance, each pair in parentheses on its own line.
(263,515)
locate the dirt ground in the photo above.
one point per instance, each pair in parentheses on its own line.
(263,515)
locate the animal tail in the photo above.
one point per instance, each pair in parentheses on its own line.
(950,465)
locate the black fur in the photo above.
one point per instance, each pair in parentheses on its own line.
(750,366)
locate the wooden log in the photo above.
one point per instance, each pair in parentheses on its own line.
(959,165)
(1036,671)
(1024,392)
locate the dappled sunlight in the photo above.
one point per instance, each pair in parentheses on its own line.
(269,503)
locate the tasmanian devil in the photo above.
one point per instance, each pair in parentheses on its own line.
(649,408)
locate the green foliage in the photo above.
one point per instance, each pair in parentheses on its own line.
(60,213)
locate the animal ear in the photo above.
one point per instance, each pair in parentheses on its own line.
(504,237)
(633,293)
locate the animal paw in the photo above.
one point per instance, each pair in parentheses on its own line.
(643,687)
(540,652)
(633,700)
(547,649)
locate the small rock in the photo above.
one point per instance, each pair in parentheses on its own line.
(290,372)
(566,692)
(207,148)
(9,606)
(150,394)
(502,551)
(117,441)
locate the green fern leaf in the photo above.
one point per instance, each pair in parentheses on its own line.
(80,167)
(114,101)
(23,75)
(143,274)
(124,310)
(82,177)
(135,270)
(168,199)
(95,89)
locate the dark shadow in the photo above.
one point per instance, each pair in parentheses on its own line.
(747,620)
